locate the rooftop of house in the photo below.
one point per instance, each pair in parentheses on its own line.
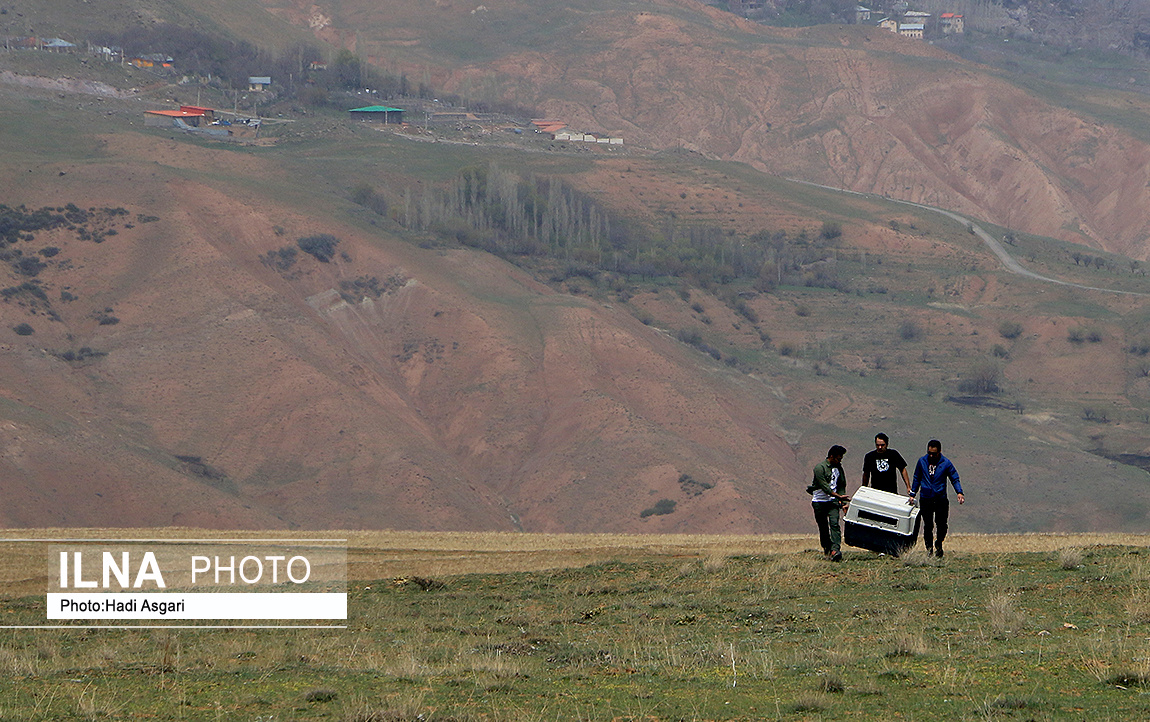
(199,113)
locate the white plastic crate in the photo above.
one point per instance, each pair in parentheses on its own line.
(881,522)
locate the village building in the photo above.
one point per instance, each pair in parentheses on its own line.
(551,127)
(378,113)
(173,118)
(745,7)
(912,30)
(58,45)
(209,114)
(259,83)
(889,24)
(951,24)
(862,14)
(108,53)
(586,138)
(152,61)
(23,43)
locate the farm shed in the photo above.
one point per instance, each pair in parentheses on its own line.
(59,45)
(380,113)
(168,118)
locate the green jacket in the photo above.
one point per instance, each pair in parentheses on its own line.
(823,478)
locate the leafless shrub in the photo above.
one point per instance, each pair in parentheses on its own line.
(983,377)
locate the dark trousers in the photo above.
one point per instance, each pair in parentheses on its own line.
(932,512)
(827,517)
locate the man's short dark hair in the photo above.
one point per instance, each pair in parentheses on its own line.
(837,450)
(881,435)
(934,444)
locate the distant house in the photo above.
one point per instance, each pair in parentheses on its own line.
(58,45)
(317,65)
(951,24)
(209,114)
(544,125)
(29,43)
(107,52)
(745,7)
(152,61)
(586,138)
(259,83)
(889,23)
(862,14)
(911,30)
(381,113)
(173,118)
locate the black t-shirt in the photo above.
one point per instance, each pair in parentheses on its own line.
(884,468)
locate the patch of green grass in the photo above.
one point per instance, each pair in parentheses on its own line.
(747,638)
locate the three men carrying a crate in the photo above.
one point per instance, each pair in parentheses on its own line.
(880,469)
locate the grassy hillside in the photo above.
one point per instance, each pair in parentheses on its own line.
(874,326)
(921,310)
(236,19)
(843,105)
(666,628)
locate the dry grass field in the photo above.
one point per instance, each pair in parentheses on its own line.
(385,554)
(524,627)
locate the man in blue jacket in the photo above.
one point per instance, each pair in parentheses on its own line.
(930,477)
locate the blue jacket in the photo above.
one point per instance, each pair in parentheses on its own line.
(934,484)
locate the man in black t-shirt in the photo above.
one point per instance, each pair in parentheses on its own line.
(882,466)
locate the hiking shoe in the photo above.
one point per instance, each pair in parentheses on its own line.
(836,556)
(929,552)
(938,552)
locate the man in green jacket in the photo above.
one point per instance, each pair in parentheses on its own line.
(827,499)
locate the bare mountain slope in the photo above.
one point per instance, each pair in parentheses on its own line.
(848,106)
(392,387)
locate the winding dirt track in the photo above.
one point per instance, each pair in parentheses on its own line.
(1008,261)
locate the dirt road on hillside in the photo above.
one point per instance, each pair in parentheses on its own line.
(1008,261)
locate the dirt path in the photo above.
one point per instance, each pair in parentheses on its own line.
(1008,261)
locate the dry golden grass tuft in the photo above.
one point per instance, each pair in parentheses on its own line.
(1070,557)
(393,708)
(715,560)
(810,702)
(907,643)
(1003,613)
(918,558)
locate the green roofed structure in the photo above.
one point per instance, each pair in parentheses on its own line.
(378,112)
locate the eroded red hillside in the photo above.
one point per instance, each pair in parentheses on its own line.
(392,387)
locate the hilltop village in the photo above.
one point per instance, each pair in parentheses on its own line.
(449,119)
(898,17)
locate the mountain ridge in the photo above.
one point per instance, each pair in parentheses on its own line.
(855,106)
